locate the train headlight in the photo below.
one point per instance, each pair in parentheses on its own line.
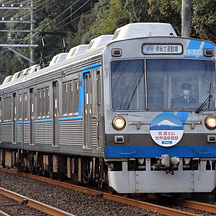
(210,123)
(119,123)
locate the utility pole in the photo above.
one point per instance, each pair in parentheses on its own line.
(32,46)
(32,31)
(186,18)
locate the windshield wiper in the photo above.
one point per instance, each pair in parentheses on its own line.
(207,100)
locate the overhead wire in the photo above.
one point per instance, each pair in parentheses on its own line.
(44,27)
(72,13)
(60,15)
(25,13)
(74,19)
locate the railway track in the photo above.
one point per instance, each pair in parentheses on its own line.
(200,207)
(22,204)
(10,206)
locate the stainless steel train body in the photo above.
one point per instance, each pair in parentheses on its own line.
(114,113)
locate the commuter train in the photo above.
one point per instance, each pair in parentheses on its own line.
(134,110)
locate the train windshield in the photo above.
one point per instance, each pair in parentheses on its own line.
(128,85)
(167,84)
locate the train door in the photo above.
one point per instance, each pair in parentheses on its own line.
(98,107)
(14,117)
(87,110)
(31,119)
(92,109)
(55,113)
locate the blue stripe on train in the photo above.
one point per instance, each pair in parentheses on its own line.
(182,115)
(157,151)
(195,45)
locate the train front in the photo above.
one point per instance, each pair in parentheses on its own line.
(160,114)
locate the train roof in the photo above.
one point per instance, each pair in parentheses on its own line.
(77,50)
(137,30)
(95,48)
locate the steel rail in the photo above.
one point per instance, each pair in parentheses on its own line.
(3,213)
(197,205)
(34,204)
(144,205)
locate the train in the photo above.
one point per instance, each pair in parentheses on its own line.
(134,111)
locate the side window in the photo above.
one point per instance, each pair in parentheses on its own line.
(76,97)
(70,98)
(25,105)
(64,98)
(20,107)
(47,101)
(39,103)
(7,109)
(43,94)
(43,102)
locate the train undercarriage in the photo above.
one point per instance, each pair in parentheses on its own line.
(56,166)
(95,170)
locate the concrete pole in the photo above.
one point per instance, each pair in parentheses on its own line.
(32,30)
(186,18)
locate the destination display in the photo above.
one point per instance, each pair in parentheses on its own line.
(155,49)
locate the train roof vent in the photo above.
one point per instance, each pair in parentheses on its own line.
(25,71)
(77,50)
(34,68)
(136,30)
(16,75)
(58,58)
(8,79)
(99,41)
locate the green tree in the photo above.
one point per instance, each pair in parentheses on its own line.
(110,16)
(204,19)
(137,10)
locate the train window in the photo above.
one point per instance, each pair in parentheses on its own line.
(128,85)
(25,105)
(47,101)
(20,107)
(71,100)
(65,98)
(76,97)
(7,109)
(43,109)
(70,97)
(39,103)
(180,84)
(43,99)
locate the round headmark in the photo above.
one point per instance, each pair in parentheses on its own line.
(166,129)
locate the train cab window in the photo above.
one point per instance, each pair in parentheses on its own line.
(128,85)
(180,84)
(25,105)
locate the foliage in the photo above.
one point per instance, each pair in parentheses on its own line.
(83,20)
(204,19)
